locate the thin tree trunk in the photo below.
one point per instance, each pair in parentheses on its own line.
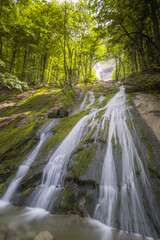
(43,68)
(116,69)
(124,71)
(153,4)
(25,62)
(75,63)
(13,58)
(135,60)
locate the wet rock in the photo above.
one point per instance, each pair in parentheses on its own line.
(44,236)
(57,112)
(148,106)
(143,81)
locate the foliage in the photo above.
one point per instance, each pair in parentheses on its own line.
(10,81)
(2,64)
(132,33)
(47,42)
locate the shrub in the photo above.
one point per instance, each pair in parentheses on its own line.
(10,81)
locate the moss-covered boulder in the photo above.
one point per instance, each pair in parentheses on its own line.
(146,81)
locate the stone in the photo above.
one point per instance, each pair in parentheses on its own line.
(148,106)
(44,236)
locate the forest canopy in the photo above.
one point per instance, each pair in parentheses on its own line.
(45,42)
(132,29)
(52,42)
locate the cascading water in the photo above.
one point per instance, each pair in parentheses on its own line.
(24,167)
(122,193)
(52,180)
(124,184)
(83,103)
(91,100)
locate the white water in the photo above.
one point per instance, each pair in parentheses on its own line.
(91,100)
(83,104)
(52,180)
(104,232)
(24,167)
(120,195)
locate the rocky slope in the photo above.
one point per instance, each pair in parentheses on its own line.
(148,106)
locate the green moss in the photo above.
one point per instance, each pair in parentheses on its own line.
(103,134)
(129,124)
(89,135)
(38,103)
(15,144)
(12,124)
(25,192)
(143,81)
(150,149)
(62,129)
(65,98)
(68,198)
(82,159)
(100,114)
(114,144)
(34,103)
(8,95)
(11,139)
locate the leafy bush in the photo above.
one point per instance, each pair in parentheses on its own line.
(10,81)
(2,64)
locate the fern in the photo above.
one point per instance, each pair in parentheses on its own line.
(10,81)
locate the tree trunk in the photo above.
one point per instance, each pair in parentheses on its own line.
(57,74)
(153,4)
(25,62)
(75,63)
(135,60)
(13,58)
(124,71)
(43,68)
(90,66)
(116,69)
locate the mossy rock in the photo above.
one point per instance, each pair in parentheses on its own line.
(82,160)
(146,81)
(15,144)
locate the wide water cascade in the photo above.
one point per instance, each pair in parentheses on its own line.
(46,193)
(24,167)
(125,184)
(126,200)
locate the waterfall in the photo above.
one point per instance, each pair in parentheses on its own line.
(24,167)
(52,178)
(91,100)
(83,103)
(82,106)
(121,192)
